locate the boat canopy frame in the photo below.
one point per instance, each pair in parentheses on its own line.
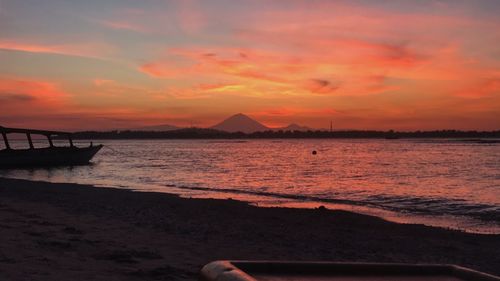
(28,132)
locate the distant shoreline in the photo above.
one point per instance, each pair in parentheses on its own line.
(54,231)
(199,133)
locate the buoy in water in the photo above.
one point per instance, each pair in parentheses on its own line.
(314,152)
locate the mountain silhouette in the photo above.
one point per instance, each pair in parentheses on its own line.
(240,123)
(294,127)
(236,123)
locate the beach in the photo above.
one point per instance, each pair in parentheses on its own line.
(52,231)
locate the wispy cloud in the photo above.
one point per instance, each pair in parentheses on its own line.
(90,50)
(480,89)
(103,82)
(122,25)
(18,95)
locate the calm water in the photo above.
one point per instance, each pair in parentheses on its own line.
(442,183)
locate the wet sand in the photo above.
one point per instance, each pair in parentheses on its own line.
(80,232)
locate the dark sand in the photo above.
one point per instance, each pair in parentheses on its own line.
(79,232)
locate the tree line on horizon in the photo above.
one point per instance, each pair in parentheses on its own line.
(202,133)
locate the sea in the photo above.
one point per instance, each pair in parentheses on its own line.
(445,183)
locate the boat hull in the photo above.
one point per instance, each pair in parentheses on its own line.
(47,157)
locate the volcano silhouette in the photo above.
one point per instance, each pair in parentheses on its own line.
(240,123)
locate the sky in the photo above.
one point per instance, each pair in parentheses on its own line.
(102,64)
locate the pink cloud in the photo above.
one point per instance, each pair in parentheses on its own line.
(103,82)
(221,87)
(163,70)
(291,111)
(92,50)
(122,25)
(480,89)
(25,99)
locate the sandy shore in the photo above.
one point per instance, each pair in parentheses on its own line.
(80,232)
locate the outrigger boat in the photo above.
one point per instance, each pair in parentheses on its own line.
(47,156)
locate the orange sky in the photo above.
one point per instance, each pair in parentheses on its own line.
(403,65)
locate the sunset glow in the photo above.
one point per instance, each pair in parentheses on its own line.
(403,65)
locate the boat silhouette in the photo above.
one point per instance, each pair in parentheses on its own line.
(46,156)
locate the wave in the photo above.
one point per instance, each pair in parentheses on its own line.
(415,205)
